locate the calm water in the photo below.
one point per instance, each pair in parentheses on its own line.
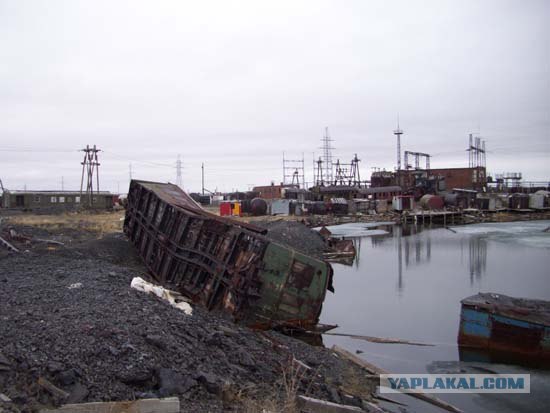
(408,283)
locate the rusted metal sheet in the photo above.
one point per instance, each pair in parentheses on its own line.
(495,322)
(223,264)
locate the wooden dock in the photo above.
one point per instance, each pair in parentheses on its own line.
(437,217)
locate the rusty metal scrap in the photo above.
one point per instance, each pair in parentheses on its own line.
(7,245)
(223,264)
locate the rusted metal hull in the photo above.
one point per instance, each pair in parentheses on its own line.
(502,324)
(224,265)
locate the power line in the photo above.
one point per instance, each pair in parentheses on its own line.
(34,150)
(154,164)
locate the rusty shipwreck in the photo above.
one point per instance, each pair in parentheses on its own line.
(223,264)
(500,325)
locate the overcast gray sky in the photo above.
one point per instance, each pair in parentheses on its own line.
(233,84)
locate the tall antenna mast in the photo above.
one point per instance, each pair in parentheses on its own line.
(398,132)
(179,181)
(327,156)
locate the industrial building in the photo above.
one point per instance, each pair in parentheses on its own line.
(271,191)
(435,180)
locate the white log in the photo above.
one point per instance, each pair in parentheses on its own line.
(167,405)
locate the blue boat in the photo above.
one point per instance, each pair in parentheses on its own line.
(499,323)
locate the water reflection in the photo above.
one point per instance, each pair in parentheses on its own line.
(413,244)
(477,248)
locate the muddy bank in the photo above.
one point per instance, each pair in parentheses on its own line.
(68,315)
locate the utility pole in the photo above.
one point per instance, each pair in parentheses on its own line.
(90,165)
(179,181)
(62,184)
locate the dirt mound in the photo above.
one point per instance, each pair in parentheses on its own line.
(296,235)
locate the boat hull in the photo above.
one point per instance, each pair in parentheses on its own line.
(504,324)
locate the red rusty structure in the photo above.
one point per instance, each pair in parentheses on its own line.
(223,264)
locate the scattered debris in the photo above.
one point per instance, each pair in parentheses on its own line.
(52,389)
(173,298)
(325,232)
(373,408)
(381,340)
(7,245)
(74,286)
(387,399)
(48,241)
(309,404)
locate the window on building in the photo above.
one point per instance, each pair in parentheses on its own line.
(53,199)
(37,199)
(77,199)
(94,200)
(61,199)
(69,199)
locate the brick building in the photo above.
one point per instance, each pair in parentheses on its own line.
(437,179)
(271,191)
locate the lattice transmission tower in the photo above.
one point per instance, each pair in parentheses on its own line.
(90,168)
(294,171)
(327,157)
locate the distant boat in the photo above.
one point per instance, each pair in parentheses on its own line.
(496,322)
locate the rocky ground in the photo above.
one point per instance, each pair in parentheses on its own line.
(69,317)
